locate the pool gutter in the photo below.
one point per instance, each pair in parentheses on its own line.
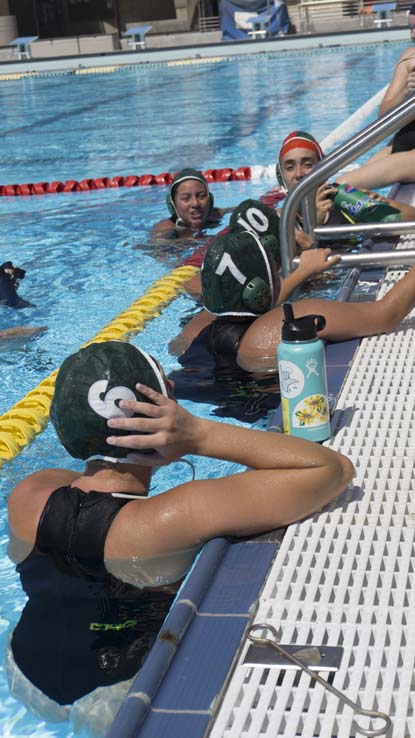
(204,52)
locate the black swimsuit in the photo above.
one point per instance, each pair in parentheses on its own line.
(223,338)
(209,373)
(404,139)
(81,628)
(73,528)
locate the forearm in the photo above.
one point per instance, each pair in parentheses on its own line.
(180,343)
(382,172)
(391,101)
(290,283)
(407,211)
(257,449)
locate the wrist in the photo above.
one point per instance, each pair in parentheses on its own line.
(202,433)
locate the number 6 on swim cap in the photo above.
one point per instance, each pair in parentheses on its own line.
(89,387)
(106,404)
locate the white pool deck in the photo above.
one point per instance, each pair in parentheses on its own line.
(345,577)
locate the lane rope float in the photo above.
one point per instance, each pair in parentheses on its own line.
(20,425)
(226,174)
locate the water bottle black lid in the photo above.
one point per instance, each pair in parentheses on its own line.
(300,329)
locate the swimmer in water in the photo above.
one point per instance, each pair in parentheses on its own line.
(10,276)
(98,533)
(263,220)
(191,206)
(101,414)
(241,286)
(300,153)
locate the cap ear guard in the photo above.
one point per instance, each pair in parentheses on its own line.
(257,296)
(280,178)
(170,204)
(272,244)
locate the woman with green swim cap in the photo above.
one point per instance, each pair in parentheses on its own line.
(191,206)
(97,535)
(241,286)
(112,398)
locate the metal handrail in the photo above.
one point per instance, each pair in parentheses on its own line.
(400,257)
(369,230)
(344,154)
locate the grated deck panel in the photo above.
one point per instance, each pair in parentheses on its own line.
(345,577)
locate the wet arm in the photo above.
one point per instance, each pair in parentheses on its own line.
(288,478)
(178,345)
(344,320)
(398,89)
(399,167)
(312,262)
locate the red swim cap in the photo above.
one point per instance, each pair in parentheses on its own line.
(300,139)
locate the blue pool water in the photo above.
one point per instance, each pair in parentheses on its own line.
(78,249)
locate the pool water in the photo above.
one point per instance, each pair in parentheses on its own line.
(79,249)
(156,118)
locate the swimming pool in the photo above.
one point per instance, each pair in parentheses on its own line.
(78,248)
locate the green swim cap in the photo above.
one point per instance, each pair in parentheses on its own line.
(236,275)
(255,216)
(88,389)
(182,176)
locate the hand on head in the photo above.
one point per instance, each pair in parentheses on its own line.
(163,426)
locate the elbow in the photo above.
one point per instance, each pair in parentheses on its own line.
(341,473)
(344,473)
(347,471)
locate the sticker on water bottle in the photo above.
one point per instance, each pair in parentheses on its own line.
(311,412)
(291,379)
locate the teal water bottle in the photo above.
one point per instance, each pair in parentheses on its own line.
(303,377)
(359,207)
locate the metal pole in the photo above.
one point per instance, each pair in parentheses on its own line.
(384,258)
(355,146)
(368,230)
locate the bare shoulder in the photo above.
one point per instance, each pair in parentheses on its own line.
(407,54)
(28,498)
(162,228)
(181,343)
(41,482)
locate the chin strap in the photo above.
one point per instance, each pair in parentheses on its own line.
(189,463)
(111,459)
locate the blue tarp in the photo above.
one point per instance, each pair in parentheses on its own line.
(235,16)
